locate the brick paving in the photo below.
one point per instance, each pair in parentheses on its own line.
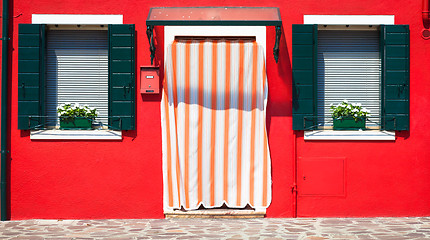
(268,228)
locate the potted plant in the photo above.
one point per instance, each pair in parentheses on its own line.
(76,116)
(349,116)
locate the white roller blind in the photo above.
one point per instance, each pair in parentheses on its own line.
(349,67)
(77,71)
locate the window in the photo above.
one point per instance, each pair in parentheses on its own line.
(51,70)
(313,92)
(77,71)
(349,67)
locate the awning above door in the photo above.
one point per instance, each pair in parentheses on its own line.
(213,16)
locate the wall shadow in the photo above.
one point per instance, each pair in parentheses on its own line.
(278,104)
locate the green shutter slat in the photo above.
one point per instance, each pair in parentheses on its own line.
(395,82)
(122,95)
(121,66)
(29,39)
(122,53)
(31,53)
(396,77)
(304,76)
(396,122)
(28,66)
(121,79)
(122,76)
(31,75)
(122,40)
(29,79)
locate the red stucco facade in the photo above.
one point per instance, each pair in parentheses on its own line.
(123,179)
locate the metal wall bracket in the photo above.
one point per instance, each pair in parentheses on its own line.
(276,47)
(150,35)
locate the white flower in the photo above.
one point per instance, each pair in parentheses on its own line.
(349,106)
(344,100)
(355,115)
(355,110)
(359,104)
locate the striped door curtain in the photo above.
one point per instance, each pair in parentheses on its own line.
(213,113)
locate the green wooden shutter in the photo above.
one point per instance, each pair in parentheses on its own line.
(395,77)
(304,76)
(31,76)
(122,76)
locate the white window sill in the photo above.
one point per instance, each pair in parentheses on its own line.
(351,135)
(56,134)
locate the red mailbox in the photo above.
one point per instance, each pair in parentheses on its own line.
(149,80)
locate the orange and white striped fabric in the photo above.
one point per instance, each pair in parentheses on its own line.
(213,116)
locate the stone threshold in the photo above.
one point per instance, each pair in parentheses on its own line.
(216,213)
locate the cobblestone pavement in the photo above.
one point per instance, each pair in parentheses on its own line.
(284,228)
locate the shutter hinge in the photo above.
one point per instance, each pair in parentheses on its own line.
(5,152)
(294,188)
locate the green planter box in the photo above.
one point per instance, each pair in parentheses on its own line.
(75,123)
(349,123)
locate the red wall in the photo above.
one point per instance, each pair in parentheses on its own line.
(122,179)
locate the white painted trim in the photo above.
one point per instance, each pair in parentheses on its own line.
(76,19)
(349,19)
(259,32)
(75,135)
(350,135)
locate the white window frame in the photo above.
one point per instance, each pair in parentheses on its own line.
(259,32)
(76,19)
(349,20)
(72,19)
